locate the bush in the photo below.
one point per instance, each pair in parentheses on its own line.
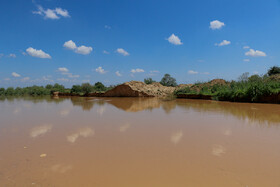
(87,88)
(148,81)
(99,87)
(76,89)
(167,80)
(273,70)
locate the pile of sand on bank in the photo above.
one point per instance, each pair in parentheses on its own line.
(140,89)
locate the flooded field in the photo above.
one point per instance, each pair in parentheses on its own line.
(125,142)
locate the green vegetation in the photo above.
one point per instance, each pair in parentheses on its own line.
(167,80)
(49,89)
(246,89)
(149,81)
(273,70)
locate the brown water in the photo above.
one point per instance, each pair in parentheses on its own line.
(131,142)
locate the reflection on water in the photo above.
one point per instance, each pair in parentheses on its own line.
(84,132)
(137,142)
(124,127)
(218,150)
(176,137)
(40,130)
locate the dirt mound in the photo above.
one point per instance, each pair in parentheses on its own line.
(139,89)
(217,81)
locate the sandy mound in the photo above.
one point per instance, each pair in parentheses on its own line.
(140,89)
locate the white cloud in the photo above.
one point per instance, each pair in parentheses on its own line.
(62,12)
(70,45)
(63,69)
(122,52)
(100,70)
(246,47)
(84,50)
(255,53)
(12,55)
(192,72)
(216,24)
(25,79)
(37,53)
(224,42)
(246,60)
(106,52)
(14,74)
(118,74)
(51,13)
(174,40)
(137,70)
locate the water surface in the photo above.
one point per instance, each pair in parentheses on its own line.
(138,142)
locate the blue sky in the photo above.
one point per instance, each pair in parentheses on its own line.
(70,42)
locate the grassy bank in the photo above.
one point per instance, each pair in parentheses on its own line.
(246,89)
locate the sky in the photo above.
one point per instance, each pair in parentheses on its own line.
(72,42)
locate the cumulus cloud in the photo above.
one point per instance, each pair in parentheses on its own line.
(246,47)
(118,74)
(14,74)
(192,72)
(122,52)
(100,70)
(70,45)
(246,60)
(62,12)
(174,40)
(56,13)
(37,53)
(137,70)
(224,42)
(255,53)
(84,50)
(63,69)
(216,24)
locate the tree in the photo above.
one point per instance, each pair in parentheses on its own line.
(254,78)
(49,86)
(149,81)
(99,87)
(2,91)
(10,91)
(274,70)
(244,77)
(86,88)
(167,80)
(76,89)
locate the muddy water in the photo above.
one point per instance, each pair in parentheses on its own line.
(124,142)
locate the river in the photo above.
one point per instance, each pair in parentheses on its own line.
(139,142)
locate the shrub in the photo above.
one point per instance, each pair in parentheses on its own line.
(87,88)
(167,80)
(148,81)
(274,70)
